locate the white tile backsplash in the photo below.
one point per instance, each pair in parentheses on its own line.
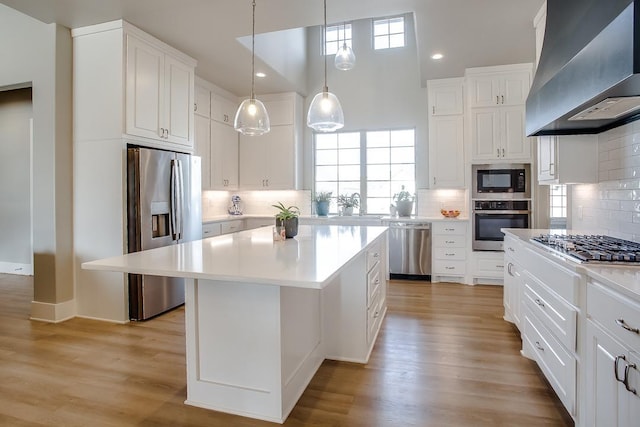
(613,205)
(215,203)
(430,202)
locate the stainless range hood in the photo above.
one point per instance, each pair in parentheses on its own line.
(588,78)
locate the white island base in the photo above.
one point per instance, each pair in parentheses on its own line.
(261,316)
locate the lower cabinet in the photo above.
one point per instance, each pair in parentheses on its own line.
(449,251)
(211,229)
(513,281)
(612,359)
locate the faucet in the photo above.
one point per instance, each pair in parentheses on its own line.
(361,209)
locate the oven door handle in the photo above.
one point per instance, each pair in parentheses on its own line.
(491,212)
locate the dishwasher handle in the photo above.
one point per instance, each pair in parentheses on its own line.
(410,225)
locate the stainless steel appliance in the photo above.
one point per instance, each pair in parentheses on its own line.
(501,181)
(410,250)
(489,216)
(163,208)
(592,249)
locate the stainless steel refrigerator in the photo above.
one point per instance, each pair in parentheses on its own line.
(164,208)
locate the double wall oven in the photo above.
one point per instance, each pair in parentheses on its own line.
(501,199)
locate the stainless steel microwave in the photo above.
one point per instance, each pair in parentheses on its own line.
(502,181)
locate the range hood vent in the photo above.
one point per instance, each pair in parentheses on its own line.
(588,77)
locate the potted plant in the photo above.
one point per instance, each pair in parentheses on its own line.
(404,202)
(287,217)
(347,203)
(323,201)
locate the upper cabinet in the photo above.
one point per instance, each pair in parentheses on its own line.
(159,94)
(569,159)
(128,83)
(216,139)
(273,161)
(445,97)
(496,98)
(446,133)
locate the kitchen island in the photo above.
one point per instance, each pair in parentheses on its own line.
(262,315)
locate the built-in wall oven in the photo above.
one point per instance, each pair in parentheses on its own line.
(489,216)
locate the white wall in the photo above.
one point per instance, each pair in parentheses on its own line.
(383,91)
(15,182)
(39,55)
(613,205)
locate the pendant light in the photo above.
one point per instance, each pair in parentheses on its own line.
(252,118)
(345,58)
(325,113)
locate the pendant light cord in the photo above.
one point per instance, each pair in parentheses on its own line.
(253,51)
(324,43)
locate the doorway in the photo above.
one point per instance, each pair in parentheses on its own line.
(16,124)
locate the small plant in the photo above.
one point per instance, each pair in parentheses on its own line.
(323,196)
(348,201)
(286,212)
(403,196)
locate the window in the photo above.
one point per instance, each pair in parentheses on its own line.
(558,206)
(335,36)
(374,164)
(388,33)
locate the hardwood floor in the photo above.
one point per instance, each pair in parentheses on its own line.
(444,357)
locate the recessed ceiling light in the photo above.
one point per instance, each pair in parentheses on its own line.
(437,56)
(260,74)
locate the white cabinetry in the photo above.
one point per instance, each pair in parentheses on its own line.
(568,159)
(513,280)
(612,359)
(211,229)
(159,93)
(496,97)
(446,133)
(273,161)
(449,251)
(218,144)
(550,316)
(488,267)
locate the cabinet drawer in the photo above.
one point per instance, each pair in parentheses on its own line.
(558,366)
(373,256)
(374,316)
(449,241)
(449,253)
(449,268)
(449,227)
(489,264)
(562,281)
(514,249)
(210,229)
(231,226)
(558,316)
(373,285)
(619,317)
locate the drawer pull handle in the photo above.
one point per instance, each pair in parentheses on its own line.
(626,378)
(622,324)
(509,267)
(376,314)
(377,281)
(511,249)
(450,254)
(538,346)
(449,229)
(449,242)
(376,255)
(540,303)
(450,268)
(615,368)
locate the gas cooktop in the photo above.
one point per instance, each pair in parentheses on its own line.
(592,249)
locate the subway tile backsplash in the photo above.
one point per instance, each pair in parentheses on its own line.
(613,205)
(215,203)
(431,201)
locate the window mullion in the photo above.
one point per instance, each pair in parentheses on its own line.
(363,172)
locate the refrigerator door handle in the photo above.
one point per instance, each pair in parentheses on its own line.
(174,198)
(180,204)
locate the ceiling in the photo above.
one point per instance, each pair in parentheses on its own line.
(470,33)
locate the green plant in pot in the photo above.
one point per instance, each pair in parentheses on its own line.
(404,202)
(347,203)
(323,202)
(287,217)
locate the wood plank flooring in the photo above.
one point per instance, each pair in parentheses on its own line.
(444,357)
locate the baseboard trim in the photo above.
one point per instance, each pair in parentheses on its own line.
(53,313)
(16,268)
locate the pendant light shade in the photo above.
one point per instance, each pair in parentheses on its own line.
(345,59)
(252,118)
(325,112)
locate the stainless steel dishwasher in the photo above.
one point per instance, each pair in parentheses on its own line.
(410,250)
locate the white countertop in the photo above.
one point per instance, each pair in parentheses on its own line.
(625,279)
(309,260)
(331,218)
